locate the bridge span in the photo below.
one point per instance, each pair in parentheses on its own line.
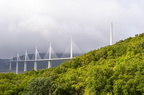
(36,58)
(48,56)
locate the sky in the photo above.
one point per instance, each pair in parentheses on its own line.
(25,24)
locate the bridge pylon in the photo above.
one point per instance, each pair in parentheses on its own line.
(111,33)
(50,52)
(49,57)
(10,64)
(35,62)
(17,63)
(25,62)
(71,48)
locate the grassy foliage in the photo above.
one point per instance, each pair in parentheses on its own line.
(111,70)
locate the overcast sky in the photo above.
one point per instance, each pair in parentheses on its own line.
(25,24)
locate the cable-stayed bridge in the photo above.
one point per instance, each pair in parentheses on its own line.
(49,56)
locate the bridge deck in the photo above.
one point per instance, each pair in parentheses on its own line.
(53,59)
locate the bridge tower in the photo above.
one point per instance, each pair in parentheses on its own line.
(111,33)
(17,63)
(10,64)
(35,62)
(50,51)
(71,48)
(25,63)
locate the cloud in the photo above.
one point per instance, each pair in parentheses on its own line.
(29,23)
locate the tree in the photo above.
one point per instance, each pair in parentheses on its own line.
(39,86)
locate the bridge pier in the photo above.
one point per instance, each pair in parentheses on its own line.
(35,63)
(17,63)
(49,64)
(50,51)
(25,66)
(35,66)
(10,67)
(111,33)
(25,63)
(17,67)
(10,64)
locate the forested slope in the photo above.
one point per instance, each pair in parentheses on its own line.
(113,70)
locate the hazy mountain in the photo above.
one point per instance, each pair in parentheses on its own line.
(4,63)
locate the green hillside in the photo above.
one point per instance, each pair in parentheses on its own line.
(111,70)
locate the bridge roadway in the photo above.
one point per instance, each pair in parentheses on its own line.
(53,59)
(35,62)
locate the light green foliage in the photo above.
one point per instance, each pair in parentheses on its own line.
(111,70)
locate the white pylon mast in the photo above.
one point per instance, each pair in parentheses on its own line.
(25,63)
(26,55)
(17,63)
(111,33)
(36,53)
(50,51)
(10,65)
(71,49)
(35,63)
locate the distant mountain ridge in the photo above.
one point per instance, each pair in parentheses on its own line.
(42,55)
(4,63)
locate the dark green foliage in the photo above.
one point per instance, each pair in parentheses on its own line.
(111,70)
(39,86)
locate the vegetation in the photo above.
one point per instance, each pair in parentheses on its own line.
(113,70)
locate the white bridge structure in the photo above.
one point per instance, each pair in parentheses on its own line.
(37,58)
(48,56)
